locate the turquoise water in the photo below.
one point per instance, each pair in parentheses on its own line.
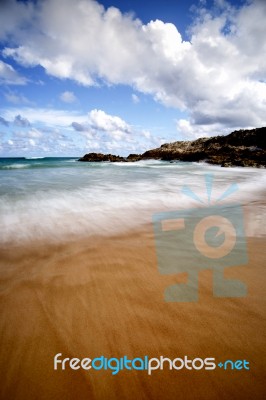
(57,198)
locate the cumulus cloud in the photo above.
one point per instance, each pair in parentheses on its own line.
(104,125)
(115,126)
(20,121)
(68,97)
(218,76)
(107,132)
(8,76)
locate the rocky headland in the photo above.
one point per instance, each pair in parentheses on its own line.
(246,148)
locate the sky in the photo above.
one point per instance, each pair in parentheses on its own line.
(125,76)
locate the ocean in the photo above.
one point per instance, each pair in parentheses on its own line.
(59,199)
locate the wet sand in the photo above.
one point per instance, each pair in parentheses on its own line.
(104,296)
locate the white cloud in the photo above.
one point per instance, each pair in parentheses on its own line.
(8,76)
(101,123)
(135,98)
(32,142)
(218,76)
(146,134)
(40,142)
(190,131)
(59,132)
(109,123)
(14,16)
(107,133)
(68,97)
(92,145)
(45,116)
(16,98)
(31,133)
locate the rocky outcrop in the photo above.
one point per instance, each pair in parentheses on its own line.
(134,157)
(239,148)
(98,157)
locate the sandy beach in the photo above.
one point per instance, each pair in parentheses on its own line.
(104,296)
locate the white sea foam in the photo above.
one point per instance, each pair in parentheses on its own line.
(56,204)
(15,166)
(33,158)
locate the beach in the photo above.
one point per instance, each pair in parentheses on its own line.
(103,295)
(132,200)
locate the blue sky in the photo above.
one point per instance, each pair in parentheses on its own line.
(127,76)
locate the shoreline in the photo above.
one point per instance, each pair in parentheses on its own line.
(254,214)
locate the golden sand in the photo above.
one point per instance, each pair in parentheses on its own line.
(104,296)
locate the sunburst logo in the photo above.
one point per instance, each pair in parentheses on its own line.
(209,178)
(208,237)
(219,230)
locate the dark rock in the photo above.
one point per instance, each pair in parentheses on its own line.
(246,148)
(98,157)
(134,157)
